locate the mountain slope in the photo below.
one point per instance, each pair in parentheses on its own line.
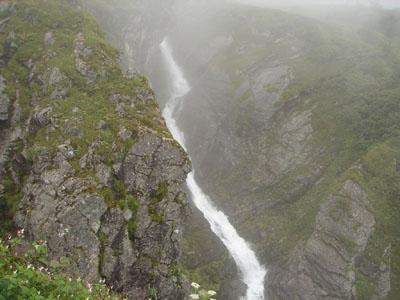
(86,161)
(292,124)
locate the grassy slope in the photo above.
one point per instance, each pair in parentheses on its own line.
(350,78)
(83,108)
(30,21)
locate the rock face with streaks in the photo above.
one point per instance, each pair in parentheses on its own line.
(86,161)
(87,236)
(324,266)
(287,135)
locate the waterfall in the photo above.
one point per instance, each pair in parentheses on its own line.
(252,273)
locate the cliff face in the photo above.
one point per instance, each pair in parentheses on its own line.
(86,161)
(292,124)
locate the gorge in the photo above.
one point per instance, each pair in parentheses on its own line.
(252,150)
(252,272)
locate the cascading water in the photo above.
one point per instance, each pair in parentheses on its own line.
(252,272)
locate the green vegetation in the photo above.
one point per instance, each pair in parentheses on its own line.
(133,204)
(31,276)
(380,176)
(11,196)
(75,117)
(156,198)
(347,78)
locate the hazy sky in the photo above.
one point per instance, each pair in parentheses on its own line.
(386,3)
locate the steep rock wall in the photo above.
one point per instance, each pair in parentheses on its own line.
(87,163)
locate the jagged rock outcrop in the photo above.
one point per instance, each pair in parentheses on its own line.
(86,236)
(56,207)
(324,266)
(152,165)
(90,169)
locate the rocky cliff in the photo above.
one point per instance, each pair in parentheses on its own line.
(86,161)
(292,124)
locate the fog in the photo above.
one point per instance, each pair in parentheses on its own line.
(258,87)
(291,3)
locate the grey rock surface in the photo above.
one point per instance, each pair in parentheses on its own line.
(4,101)
(323,267)
(63,214)
(81,230)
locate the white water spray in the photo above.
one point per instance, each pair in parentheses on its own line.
(252,272)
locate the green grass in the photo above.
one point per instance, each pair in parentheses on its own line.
(156,197)
(348,79)
(31,276)
(86,104)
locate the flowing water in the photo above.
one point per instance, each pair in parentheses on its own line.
(252,272)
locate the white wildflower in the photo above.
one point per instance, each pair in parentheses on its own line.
(194,296)
(195,285)
(211,293)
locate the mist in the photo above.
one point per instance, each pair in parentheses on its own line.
(291,3)
(283,108)
(200,149)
